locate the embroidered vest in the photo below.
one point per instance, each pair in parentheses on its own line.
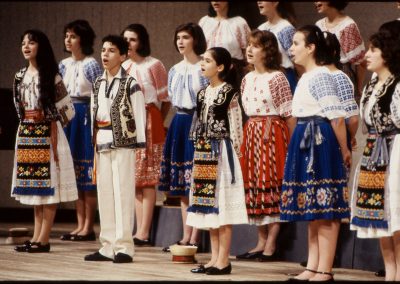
(381,116)
(122,120)
(217,121)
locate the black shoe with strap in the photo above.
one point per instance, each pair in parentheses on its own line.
(216,271)
(249,255)
(24,247)
(166,249)
(67,237)
(82,238)
(38,247)
(200,269)
(142,243)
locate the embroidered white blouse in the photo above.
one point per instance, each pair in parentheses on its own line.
(79,75)
(351,42)
(284,31)
(266,94)
(316,95)
(151,76)
(231,33)
(184,82)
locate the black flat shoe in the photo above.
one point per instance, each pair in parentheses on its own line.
(249,255)
(24,247)
(67,237)
(97,257)
(380,273)
(200,269)
(166,249)
(216,271)
(38,247)
(266,258)
(122,258)
(82,238)
(142,243)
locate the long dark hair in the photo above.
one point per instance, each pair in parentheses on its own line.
(313,35)
(47,67)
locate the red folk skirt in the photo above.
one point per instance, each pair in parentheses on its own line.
(263,158)
(148,160)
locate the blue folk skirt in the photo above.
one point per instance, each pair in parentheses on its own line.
(315,180)
(177,159)
(79,137)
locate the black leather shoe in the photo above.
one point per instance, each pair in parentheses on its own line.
(380,273)
(166,249)
(249,255)
(266,258)
(216,271)
(67,237)
(200,269)
(142,243)
(122,258)
(97,257)
(24,247)
(81,238)
(38,247)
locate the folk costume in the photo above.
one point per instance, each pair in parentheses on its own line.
(43,168)
(152,79)
(78,77)
(284,31)
(184,81)
(267,100)
(216,195)
(376,198)
(315,181)
(119,118)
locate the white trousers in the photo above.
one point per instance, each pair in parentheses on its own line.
(116,192)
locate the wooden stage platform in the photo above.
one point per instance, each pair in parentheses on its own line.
(65,263)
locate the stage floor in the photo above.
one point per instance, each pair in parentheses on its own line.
(65,262)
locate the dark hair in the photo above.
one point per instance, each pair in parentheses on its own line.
(269,44)
(223,57)
(199,40)
(314,35)
(118,41)
(47,67)
(338,5)
(392,28)
(85,33)
(143,37)
(233,9)
(286,11)
(390,48)
(332,50)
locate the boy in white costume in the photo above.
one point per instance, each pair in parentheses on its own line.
(118,115)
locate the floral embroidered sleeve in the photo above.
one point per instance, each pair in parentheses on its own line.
(285,37)
(346,94)
(323,89)
(242,33)
(235,123)
(281,95)
(395,106)
(64,105)
(352,44)
(92,70)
